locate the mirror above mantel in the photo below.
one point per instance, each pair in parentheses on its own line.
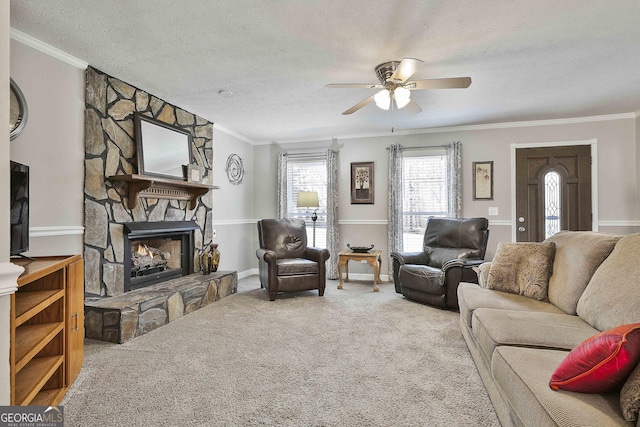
(163,149)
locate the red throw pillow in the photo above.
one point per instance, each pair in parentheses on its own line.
(601,363)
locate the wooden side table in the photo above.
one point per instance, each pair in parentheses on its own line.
(373,258)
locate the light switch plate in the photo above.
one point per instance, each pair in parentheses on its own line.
(493,211)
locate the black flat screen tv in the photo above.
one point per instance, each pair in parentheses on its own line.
(19,208)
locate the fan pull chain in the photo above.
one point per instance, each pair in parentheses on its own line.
(393,112)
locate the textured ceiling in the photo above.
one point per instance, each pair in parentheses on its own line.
(528,60)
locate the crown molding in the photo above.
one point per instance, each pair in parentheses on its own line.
(233,134)
(532,123)
(466,128)
(47,48)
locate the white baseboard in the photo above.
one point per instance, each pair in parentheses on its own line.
(247,273)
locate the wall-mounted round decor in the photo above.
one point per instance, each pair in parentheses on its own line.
(235,169)
(18,111)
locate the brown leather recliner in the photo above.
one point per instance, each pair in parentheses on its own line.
(451,248)
(285,263)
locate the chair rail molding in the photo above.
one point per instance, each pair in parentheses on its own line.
(363,222)
(619,223)
(59,230)
(235,222)
(500,222)
(601,223)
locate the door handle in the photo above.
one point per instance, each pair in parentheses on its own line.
(75,328)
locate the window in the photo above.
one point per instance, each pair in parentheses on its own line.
(424,194)
(551,203)
(308,174)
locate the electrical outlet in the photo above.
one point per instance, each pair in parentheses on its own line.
(493,211)
(215,233)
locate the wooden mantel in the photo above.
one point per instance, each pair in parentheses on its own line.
(162,188)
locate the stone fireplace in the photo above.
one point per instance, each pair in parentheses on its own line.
(129,293)
(110,150)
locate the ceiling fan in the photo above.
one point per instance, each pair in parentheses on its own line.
(396,87)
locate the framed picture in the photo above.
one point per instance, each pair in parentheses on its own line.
(193,173)
(483,180)
(362,183)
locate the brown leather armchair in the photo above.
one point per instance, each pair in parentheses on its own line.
(285,263)
(451,248)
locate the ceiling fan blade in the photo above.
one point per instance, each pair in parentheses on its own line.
(354,85)
(407,67)
(358,106)
(450,83)
(412,108)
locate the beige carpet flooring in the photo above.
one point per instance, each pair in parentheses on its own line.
(350,358)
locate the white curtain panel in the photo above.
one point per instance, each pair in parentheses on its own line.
(454,178)
(394,202)
(333,230)
(282,185)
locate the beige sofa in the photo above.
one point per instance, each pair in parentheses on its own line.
(517,342)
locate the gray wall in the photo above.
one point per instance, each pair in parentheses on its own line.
(52,145)
(617,154)
(5,301)
(4,138)
(233,205)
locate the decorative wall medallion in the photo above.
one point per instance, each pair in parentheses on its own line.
(235,169)
(18,111)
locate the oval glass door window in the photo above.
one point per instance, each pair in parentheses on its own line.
(552,206)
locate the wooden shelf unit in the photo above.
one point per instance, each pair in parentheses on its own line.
(162,188)
(47,329)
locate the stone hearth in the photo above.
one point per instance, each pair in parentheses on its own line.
(123,317)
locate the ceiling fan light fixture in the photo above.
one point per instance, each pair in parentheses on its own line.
(383,99)
(395,84)
(402,96)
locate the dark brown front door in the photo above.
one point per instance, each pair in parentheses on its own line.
(567,171)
